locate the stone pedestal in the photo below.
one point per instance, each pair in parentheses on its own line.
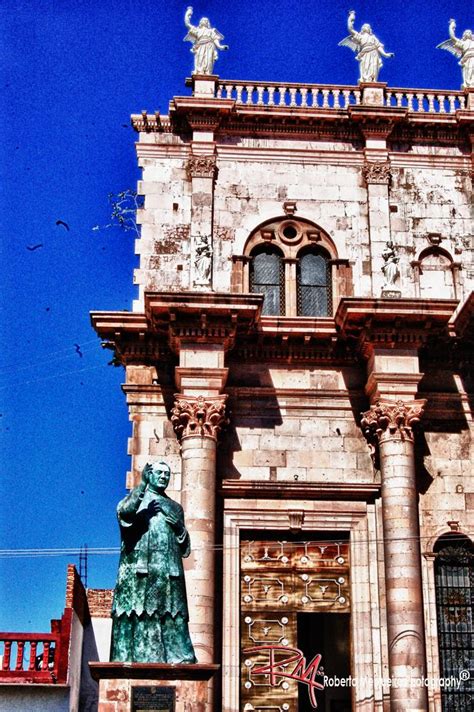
(204,85)
(388,424)
(373,93)
(123,686)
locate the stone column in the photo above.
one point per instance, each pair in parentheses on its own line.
(198,421)
(388,426)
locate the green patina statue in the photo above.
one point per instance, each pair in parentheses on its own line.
(150,612)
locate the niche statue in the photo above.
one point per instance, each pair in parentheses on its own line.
(150,612)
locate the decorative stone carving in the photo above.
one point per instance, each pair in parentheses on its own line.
(201,167)
(394,417)
(377,172)
(202,261)
(390,271)
(206,42)
(289,207)
(463,49)
(369,50)
(296,518)
(199,416)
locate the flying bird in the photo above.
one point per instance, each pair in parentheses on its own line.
(32,248)
(64,224)
(78,350)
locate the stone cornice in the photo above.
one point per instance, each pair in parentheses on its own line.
(462,323)
(360,491)
(234,320)
(392,323)
(199,416)
(210,317)
(329,109)
(391,418)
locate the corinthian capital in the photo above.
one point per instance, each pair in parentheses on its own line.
(394,417)
(201,167)
(199,416)
(377,172)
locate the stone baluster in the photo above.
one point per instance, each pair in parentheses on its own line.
(197,422)
(388,427)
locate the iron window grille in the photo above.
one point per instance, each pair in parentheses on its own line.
(454,584)
(267,277)
(314,288)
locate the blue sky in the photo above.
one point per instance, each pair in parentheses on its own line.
(72,73)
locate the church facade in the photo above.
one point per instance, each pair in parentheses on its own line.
(300,354)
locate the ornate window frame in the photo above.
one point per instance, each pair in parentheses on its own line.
(292,236)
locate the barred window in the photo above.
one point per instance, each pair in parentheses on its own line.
(454,584)
(314,284)
(267,278)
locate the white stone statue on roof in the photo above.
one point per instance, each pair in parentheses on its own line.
(369,50)
(206,41)
(463,49)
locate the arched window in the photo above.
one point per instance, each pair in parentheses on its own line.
(267,278)
(454,584)
(314,283)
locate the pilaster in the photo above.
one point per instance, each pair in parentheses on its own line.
(201,170)
(376,123)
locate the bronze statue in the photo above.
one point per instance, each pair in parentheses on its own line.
(150,612)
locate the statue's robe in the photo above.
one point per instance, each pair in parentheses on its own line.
(150,612)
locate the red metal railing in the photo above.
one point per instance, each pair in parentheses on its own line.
(36,657)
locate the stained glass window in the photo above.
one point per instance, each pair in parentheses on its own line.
(454,583)
(314,284)
(267,278)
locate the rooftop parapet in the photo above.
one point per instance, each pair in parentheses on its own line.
(321,101)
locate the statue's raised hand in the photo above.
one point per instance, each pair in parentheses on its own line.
(146,472)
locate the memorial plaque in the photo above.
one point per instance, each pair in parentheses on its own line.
(153,699)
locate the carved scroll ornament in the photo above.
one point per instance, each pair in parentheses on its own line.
(395,418)
(201,167)
(199,416)
(377,172)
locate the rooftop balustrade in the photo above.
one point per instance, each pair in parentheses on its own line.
(322,96)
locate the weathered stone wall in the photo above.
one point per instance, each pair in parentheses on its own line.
(429,195)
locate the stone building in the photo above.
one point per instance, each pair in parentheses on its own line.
(300,352)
